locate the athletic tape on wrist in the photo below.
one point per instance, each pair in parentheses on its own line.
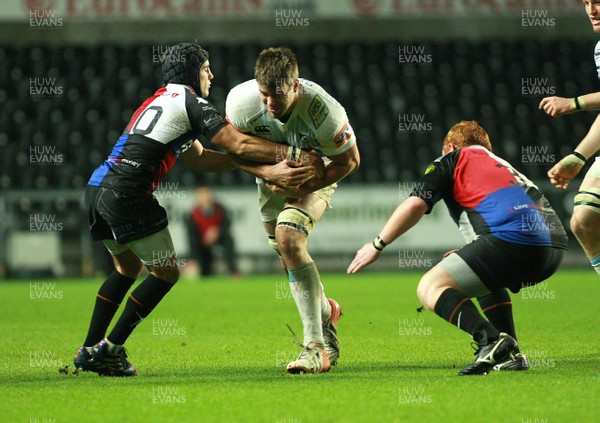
(379,244)
(572,160)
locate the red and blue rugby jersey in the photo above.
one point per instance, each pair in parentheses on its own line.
(486,195)
(163,127)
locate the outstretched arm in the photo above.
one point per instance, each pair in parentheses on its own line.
(564,171)
(406,215)
(561,106)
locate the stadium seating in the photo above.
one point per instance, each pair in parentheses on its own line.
(101,86)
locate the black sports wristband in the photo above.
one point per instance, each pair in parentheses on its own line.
(577,105)
(579,155)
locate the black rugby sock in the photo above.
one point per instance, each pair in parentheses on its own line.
(108,300)
(458,309)
(497,307)
(140,304)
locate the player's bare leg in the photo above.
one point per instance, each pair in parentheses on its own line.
(293,227)
(585,222)
(326,311)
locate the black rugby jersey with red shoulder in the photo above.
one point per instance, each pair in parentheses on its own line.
(486,195)
(162,128)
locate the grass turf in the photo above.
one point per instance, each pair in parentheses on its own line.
(215,351)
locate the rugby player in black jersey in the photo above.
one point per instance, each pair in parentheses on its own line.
(125,215)
(514,240)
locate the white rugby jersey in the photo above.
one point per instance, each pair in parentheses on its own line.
(318,122)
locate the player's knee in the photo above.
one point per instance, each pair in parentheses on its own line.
(576,225)
(288,242)
(167,274)
(581,222)
(430,287)
(131,269)
(293,227)
(586,213)
(424,289)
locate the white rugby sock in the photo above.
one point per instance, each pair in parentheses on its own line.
(306,288)
(325,306)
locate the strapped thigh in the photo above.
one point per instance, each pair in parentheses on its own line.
(296,219)
(589,198)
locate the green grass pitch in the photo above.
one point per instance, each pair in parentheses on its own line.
(215,351)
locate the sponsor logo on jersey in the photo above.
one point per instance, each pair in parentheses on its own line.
(129,162)
(318,111)
(262,129)
(343,136)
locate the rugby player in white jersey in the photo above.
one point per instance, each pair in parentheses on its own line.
(280,107)
(585,221)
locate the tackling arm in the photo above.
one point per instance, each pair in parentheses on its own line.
(251,148)
(204,160)
(284,174)
(406,215)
